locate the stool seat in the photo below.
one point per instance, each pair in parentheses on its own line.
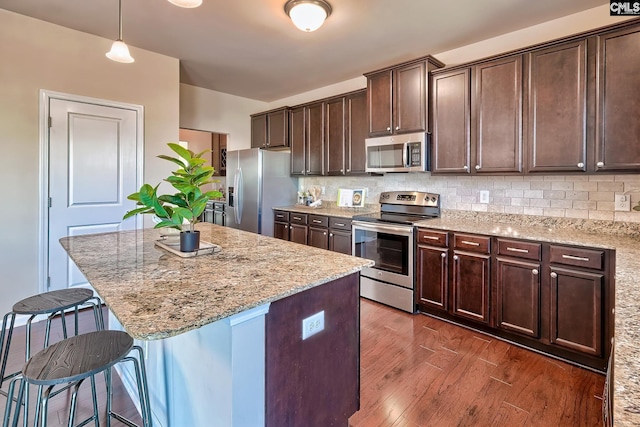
(77,357)
(53,301)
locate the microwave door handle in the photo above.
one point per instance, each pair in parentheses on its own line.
(405,155)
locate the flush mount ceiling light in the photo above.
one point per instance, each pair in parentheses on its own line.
(308,15)
(119,51)
(186,3)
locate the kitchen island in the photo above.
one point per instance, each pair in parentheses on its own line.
(222,332)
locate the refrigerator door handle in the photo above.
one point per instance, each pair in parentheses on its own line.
(239,196)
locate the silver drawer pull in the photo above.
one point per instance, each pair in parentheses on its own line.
(522,251)
(339,224)
(317,221)
(575,258)
(466,242)
(554,275)
(431,237)
(297,218)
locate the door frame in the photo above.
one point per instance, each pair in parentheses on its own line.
(43,191)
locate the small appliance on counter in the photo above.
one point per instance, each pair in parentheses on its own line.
(387,237)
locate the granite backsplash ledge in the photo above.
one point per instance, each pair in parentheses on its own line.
(614,228)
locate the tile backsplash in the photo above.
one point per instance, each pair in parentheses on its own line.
(567,196)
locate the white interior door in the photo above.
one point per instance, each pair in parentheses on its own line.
(92,169)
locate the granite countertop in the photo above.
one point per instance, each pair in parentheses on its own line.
(155,294)
(330,209)
(625,239)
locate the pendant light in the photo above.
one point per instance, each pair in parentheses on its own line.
(119,51)
(307,15)
(186,3)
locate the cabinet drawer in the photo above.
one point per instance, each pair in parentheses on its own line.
(433,238)
(580,257)
(297,218)
(281,216)
(471,243)
(519,249)
(319,220)
(340,223)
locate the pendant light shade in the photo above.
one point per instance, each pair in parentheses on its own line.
(307,15)
(119,50)
(186,3)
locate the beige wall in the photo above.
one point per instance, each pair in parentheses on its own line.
(38,55)
(205,109)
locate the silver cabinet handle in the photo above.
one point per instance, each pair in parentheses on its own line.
(431,237)
(455,257)
(330,234)
(388,129)
(325,233)
(575,258)
(443,255)
(600,164)
(580,165)
(397,127)
(317,221)
(466,242)
(554,275)
(534,272)
(297,218)
(342,170)
(348,170)
(302,171)
(339,224)
(477,167)
(466,167)
(522,251)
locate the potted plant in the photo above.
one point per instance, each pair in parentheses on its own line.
(188,203)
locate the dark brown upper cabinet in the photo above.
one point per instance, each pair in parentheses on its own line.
(618,107)
(298,141)
(307,139)
(397,97)
(270,129)
(356,124)
(557,108)
(335,136)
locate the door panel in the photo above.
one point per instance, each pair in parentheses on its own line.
(92,169)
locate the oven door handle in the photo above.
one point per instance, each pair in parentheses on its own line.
(385,228)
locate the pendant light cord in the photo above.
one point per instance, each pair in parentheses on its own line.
(120,20)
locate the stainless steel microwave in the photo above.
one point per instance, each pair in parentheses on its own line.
(398,153)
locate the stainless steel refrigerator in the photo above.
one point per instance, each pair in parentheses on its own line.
(257,181)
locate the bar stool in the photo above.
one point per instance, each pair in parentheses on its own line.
(72,361)
(52,304)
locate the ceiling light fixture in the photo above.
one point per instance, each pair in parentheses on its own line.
(308,15)
(186,3)
(119,51)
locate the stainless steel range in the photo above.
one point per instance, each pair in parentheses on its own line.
(386,237)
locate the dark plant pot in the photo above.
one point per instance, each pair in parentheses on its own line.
(189,241)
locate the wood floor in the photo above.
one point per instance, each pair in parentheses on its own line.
(420,371)
(416,371)
(59,405)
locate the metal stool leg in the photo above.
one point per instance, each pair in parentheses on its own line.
(143,391)
(4,349)
(11,399)
(44,403)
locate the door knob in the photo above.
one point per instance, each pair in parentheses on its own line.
(477,167)
(554,275)
(534,272)
(397,127)
(388,129)
(600,164)
(443,255)
(580,165)
(455,257)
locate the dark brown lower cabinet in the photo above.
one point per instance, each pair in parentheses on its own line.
(577,310)
(518,303)
(318,237)
(281,230)
(298,233)
(433,276)
(340,241)
(471,282)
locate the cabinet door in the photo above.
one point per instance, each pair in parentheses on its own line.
(518,302)
(433,277)
(451,122)
(340,241)
(278,128)
(259,131)
(618,127)
(471,286)
(356,123)
(379,98)
(577,310)
(335,136)
(297,139)
(318,237)
(497,110)
(298,233)
(281,230)
(410,99)
(557,114)
(315,139)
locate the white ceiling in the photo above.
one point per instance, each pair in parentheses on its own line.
(250,48)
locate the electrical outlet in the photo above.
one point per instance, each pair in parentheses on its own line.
(622,203)
(484,196)
(312,325)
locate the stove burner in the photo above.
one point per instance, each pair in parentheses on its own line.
(404,207)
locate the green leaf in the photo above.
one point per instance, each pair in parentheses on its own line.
(184,212)
(176,199)
(135,212)
(181,151)
(172,159)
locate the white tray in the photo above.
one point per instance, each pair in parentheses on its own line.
(173,245)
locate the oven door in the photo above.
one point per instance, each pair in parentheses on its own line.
(390,246)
